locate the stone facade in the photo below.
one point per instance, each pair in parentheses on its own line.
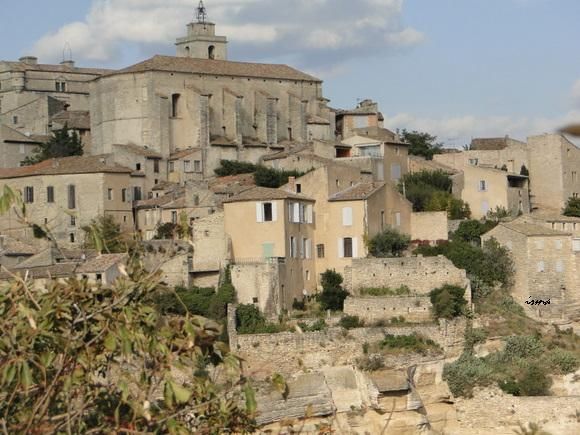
(414,309)
(430,226)
(420,274)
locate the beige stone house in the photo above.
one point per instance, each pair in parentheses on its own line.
(14,252)
(271,232)
(16,146)
(365,115)
(77,120)
(66,194)
(547,265)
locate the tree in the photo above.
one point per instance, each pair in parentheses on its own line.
(472,230)
(448,301)
(389,243)
(421,144)
(166,231)
(104,235)
(63,143)
(333,295)
(79,358)
(572,207)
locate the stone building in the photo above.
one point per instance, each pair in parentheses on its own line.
(547,263)
(201,101)
(365,115)
(16,146)
(271,232)
(66,194)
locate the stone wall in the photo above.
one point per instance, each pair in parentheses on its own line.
(258,283)
(290,352)
(371,309)
(420,274)
(429,226)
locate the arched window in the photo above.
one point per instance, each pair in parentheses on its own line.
(187,52)
(211,52)
(175,105)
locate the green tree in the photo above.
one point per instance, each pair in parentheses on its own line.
(389,243)
(421,144)
(448,301)
(273,178)
(472,230)
(572,207)
(166,231)
(63,143)
(233,167)
(104,235)
(333,295)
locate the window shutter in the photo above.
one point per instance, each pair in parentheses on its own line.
(274,211)
(340,248)
(308,248)
(309,214)
(295,247)
(347,216)
(296,213)
(259,212)
(290,211)
(354,247)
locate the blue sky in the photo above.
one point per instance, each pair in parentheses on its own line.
(456,68)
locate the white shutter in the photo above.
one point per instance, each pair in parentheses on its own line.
(290,211)
(274,211)
(309,214)
(576,245)
(296,213)
(259,212)
(308,248)
(295,247)
(340,248)
(398,219)
(347,216)
(354,247)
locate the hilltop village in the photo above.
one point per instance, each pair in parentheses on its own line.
(378,280)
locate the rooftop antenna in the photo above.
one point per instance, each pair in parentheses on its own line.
(67,50)
(201,13)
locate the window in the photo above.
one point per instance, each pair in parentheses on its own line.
(559,266)
(576,245)
(382,220)
(347,243)
(72,200)
(298,188)
(175,105)
(60,86)
(73,221)
(473,162)
(138,166)
(320,251)
(307,275)
(398,219)
(293,253)
(541,266)
(124,195)
(482,186)
(347,216)
(15,120)
(395,171)
(266,212)
(539,245)
(197,165)
(187,166)
(71,237)
(174,217)
(558,244)
(50,194)
(29,194)
(99,277)
(171,166)
(484,207)
(156,166)
(306,251)
(361,121)
(22,149)
(211,52)
(137,194)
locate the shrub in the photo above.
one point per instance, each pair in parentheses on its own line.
(319,325)
(389,243)
(249,320)
(299,305)
(563,361)
(233,167)
(385,291)
(413,343)
(274,178)
(472,230)
(535,381)
(333,295)
(465,373)
(371,363)
(194,300)
(523,347)
(448,301)
(351,322)
(572,207)
(166,231)
(218,306)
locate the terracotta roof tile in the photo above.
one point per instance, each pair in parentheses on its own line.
(182,153)
(101,263)
(217,67)
(265,194)
(76,119)
(16,247)
(8,134)
(357,192)
(21,66)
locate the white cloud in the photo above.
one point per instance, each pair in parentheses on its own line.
(459,130)
(315,34)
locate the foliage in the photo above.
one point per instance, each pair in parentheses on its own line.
(299,305)
(572,207)
(274,178)
(234,167)
(498,214)
(465,373)
(333,295)
(63,143)
(421,144)
(444,201)
(226,294)
(351,322)
(250,320)
(472,230)
(319,325)
(182,300)
(165,231)
(104,235)
(389,243)
(523,347)
(385,291)
(76,358)
(448,301)
(412,343)
(371,362)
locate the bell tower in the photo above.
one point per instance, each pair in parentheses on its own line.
(201,41)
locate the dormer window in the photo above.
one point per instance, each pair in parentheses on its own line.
(60,86)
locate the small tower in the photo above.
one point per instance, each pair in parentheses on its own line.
(201,41)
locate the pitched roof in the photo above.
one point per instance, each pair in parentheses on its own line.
(360,191)
(217,68)
(8,134)
(313,119)
(182,153)
(232,184)
(66,165)
(15,247)
(22,66)
(76,119)
(492,143)
(102,263)
(139,150)
(531,229)
(265,194)
(379,133)
(60,270)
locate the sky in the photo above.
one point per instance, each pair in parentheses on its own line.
(454,68)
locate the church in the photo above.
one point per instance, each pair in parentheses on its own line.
(201,105)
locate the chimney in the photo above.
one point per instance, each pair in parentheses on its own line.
(292,184)
(29,60)
(68,63)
